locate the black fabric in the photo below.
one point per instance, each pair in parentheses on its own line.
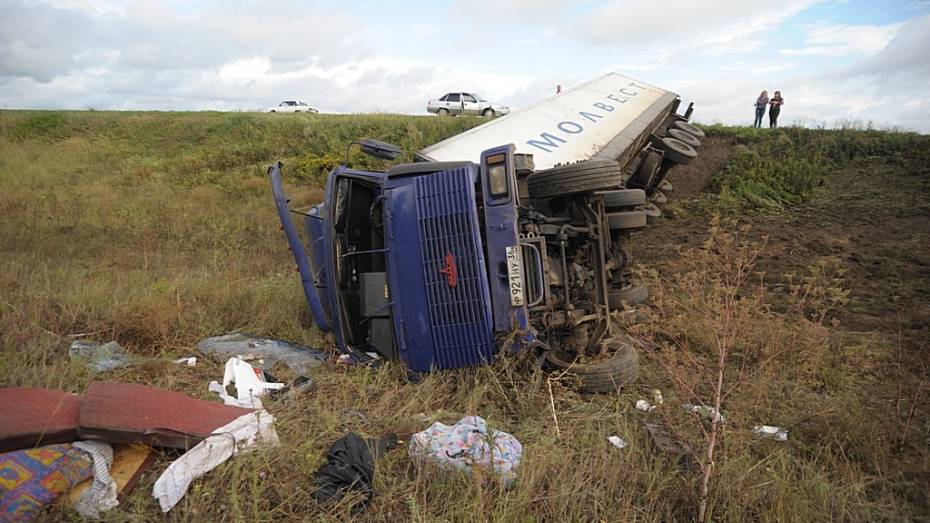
(350,466)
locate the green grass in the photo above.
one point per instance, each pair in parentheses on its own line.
(157,229)
(774,169)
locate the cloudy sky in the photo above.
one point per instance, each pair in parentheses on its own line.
(833,60)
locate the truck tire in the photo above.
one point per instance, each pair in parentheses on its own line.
(623,198)
(689,139)
(577,178)
(652,212)
(666,186)
(658,198)
(442,112)
(678,151)
(604,376)
(647,169)
(488,113)
(630,295)
(626,220)
(688,128)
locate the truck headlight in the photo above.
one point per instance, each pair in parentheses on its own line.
(497,180)
(497,176)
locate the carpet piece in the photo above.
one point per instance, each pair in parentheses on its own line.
(33,417)
(126,413)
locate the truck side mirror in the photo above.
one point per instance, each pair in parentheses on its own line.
(379,149)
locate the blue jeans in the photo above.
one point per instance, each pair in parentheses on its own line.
(760,113)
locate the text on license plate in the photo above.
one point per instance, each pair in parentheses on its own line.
(515,275)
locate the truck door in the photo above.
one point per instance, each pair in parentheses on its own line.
(470,105)
(454,103)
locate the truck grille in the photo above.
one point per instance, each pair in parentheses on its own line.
(449,243)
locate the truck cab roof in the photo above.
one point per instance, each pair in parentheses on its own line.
(422,167)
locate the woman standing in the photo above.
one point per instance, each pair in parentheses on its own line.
(774,108)
(761,102)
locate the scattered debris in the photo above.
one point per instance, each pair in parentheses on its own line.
(250,347)
(129,462)
(33,417)
(666,442)
(466,444)
(33,478)
(617,442)
(189,361)
(246,431)
(770,432)
(101,495)
(357,415)
(350,465)
(644,406)
(250,384)
(301,385)
(125,413)
(657,397)
(704,411)
(99,357)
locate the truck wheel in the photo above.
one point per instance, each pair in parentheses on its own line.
(604,376)
(647,169)
(577,178)
(623,198)
(688,128)
(653,213)
(442,112)
(488,113)
(629,295)
(678,151)
(689,139)
(626,220)
(658,198)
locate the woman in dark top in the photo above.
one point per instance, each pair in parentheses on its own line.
(761,102)
(774,108)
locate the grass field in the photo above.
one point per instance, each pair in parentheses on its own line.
(157,229)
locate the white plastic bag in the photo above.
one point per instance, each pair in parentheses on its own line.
(249,381)
(246,431)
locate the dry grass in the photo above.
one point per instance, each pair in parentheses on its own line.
(157,230)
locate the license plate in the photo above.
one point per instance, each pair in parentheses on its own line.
(515,275)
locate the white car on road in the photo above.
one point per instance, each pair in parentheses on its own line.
(465,103)
(292,106)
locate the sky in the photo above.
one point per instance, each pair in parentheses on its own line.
(836,62)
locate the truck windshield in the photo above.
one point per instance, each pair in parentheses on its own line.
(358,229)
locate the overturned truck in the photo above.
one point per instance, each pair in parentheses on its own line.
(508,237)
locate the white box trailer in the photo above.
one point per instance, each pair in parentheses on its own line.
(611,117)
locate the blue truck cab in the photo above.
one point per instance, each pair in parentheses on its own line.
(421,263)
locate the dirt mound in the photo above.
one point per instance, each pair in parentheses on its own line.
(690,179)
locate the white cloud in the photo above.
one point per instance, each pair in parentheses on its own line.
(713,26)
(842,40)
(244,70)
